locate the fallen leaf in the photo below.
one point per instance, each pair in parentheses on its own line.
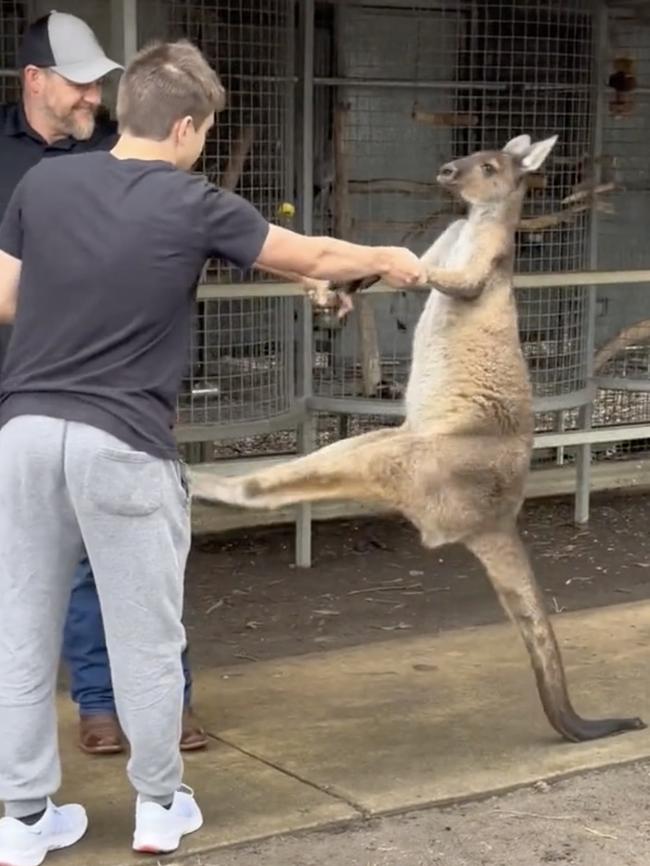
(215,606)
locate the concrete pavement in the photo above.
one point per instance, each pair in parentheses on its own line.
(327,738)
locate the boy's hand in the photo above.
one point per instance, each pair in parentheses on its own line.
(325,295)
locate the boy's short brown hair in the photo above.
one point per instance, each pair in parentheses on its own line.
(165,82)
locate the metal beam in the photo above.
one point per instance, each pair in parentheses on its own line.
(395,408)
(594,436)
(406,84)
(560,279)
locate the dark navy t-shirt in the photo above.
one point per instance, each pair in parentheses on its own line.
(111,254)
(21,147)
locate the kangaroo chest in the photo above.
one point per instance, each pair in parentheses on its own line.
(441,312)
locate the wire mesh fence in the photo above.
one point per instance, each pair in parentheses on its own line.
(243,362)
(623,323)
(251,44)
(13,18)
(475,75)
(243,350)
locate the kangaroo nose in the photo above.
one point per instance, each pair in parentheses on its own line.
(448,172)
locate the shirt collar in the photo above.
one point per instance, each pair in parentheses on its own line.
(16,125)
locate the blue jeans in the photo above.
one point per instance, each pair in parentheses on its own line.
(84,649)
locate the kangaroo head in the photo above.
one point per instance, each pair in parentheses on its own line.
(491,175)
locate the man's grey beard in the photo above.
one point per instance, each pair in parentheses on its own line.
(72,125)
(81,130)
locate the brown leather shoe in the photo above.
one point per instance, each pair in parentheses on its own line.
(193,737)
(100,735)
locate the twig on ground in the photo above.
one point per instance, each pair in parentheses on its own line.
(598,833)
(508,813)
(557,607)
(376,589)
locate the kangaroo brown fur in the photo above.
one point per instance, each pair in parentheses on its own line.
(457,466)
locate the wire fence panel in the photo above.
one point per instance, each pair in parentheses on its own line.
(13,19)
(242,362)
(623,321)
(250,44)
(475,75)
(242,365)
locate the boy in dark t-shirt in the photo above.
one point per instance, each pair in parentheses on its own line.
(98,260)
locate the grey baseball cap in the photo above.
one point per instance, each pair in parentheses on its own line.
(67,45)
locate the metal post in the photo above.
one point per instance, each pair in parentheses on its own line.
(124,28)
(583,468)
(307,430)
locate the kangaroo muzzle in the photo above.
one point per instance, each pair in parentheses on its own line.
(448,174)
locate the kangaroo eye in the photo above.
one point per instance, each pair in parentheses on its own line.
(488,169)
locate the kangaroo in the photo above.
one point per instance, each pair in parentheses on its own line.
(457,466)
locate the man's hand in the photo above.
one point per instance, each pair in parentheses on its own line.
(324,258)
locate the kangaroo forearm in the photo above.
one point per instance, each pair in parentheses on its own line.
(466,284)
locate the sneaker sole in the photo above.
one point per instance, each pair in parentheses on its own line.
(194,747)
(101,750)
(145,846)
(36,857)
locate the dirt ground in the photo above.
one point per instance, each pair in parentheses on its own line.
(372,581)
(599,819)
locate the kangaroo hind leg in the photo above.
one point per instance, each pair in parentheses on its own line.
(374,467)
(506,561)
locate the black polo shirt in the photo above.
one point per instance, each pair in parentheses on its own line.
(111,253)
(21,147)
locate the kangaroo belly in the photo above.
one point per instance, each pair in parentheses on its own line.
(430,368)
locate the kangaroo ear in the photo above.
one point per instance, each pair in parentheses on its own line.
(518,146)
(538,153)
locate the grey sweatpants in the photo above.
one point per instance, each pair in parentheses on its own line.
(64,484)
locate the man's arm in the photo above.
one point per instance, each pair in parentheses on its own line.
(9,279)
(325,258)
(236,231)
(11,253)
(310,283)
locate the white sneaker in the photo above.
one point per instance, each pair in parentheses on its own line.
(159,830)
(60,827)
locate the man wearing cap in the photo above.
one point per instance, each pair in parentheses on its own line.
(62,66)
